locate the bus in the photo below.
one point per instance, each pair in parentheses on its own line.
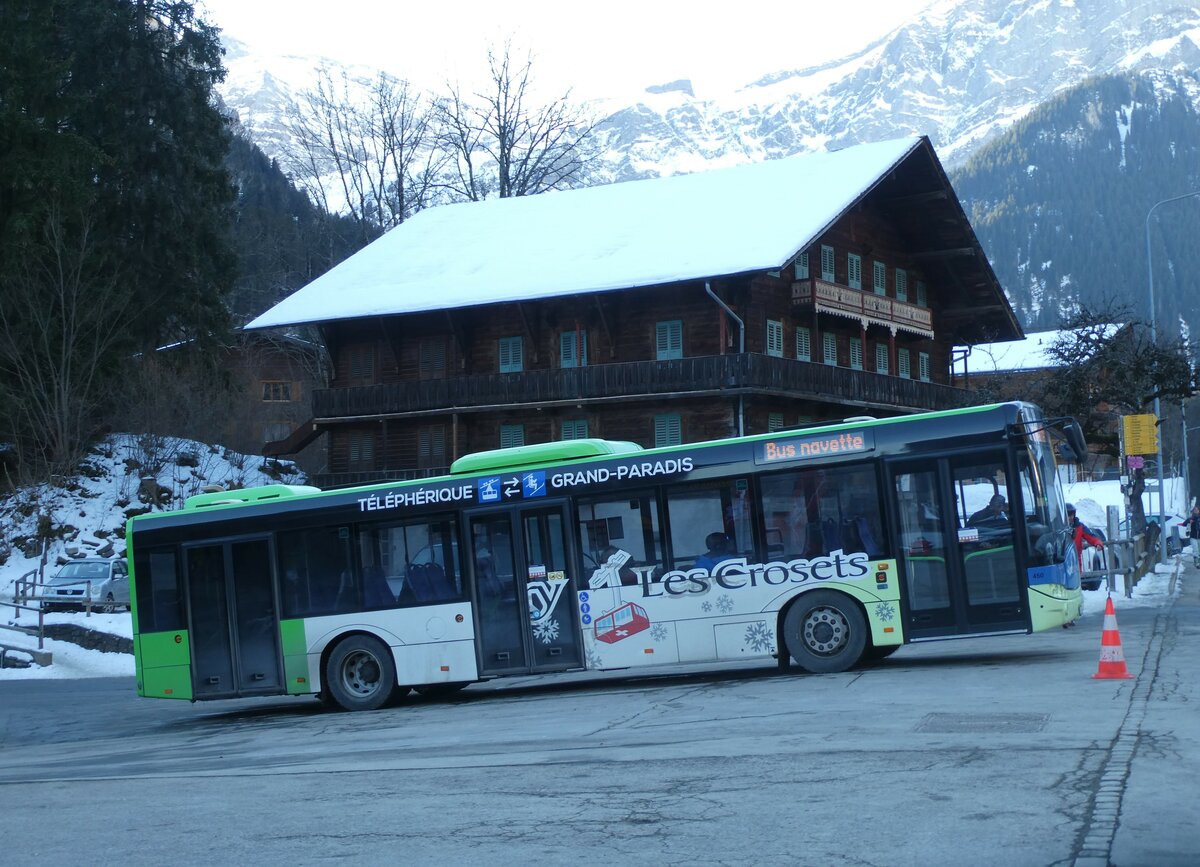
(821,547)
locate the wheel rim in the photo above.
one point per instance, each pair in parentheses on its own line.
(110,604)
(825,631)
(361,674)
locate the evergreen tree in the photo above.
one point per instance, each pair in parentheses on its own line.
(115,205)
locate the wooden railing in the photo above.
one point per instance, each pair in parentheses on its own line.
(858,302)
(745,373)
(367,477)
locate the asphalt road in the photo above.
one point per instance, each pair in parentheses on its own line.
(998,751)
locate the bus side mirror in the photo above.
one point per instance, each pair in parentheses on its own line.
(1075,439)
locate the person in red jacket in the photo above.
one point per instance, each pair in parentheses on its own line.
(1081,534)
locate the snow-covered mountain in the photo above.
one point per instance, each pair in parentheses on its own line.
(960,72)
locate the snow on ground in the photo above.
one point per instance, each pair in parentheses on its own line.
(97,508)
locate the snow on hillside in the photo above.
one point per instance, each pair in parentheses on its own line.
(124,475)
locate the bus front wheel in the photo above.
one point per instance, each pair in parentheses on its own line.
(360,673)
(825,631)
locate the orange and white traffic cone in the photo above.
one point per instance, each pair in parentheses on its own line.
(1112,658)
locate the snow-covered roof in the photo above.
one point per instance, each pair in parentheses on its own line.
(1016,355)
(639,233)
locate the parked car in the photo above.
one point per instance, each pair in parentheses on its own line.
(109,585)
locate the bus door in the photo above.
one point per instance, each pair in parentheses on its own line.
(234,627)
(956,544)
(524,592)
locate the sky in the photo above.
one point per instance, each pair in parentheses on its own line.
(597,50)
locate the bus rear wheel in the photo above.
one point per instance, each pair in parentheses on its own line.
(825,631)
(360,673)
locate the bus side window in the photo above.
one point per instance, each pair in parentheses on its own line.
(628,524)
(710,523)
(814,512)
(312,563)
(159,596)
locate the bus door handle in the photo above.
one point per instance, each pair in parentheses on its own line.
(555,651)
(258,677)
(214,680)
(502,656)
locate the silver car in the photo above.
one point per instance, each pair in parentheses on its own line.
(107,581)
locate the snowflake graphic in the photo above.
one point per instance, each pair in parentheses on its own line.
(545,631)
(725,603)
(706,607)
(658,632)
(759,637)
(593,660)
(885,611)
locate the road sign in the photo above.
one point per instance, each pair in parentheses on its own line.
(1141,434)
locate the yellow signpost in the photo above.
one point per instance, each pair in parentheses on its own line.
(1141,434)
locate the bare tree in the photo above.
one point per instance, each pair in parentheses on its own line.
(504,143)
(62,312)
(363,148)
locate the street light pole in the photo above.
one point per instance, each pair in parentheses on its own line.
(1162,509)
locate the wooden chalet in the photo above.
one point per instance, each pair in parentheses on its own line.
(671,310)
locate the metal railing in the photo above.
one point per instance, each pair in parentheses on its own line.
(1131,556)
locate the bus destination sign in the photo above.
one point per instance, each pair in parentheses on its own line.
(798,448)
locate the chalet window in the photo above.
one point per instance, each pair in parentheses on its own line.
(668,340)
(854,269)
(431,361)
(572,349)
(774,422)
(827,263)
(775,338)
(830,348)
(362,450)
(667,430)
(880,282)
(512,355)
(881,358)
(277,391)
(803,344)
(362,362)
(275,431)
(922,294)
(923,359)
(802,266)
(901,284)
(574,429)
(902,359)
(512,435)
(431,447)
(856,353)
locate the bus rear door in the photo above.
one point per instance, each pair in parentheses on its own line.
(524,595)
(234,625)
(956,546)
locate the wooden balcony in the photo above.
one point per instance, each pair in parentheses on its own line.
(724,375)
(867,307)
(325,481)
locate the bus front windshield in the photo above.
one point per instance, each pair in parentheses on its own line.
(1045,504)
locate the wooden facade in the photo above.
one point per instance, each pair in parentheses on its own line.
(863,320)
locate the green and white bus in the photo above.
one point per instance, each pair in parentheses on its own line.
(821,547)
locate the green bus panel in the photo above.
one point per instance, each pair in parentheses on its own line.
(295,657)
(170,675)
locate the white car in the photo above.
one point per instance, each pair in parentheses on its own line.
(107,581)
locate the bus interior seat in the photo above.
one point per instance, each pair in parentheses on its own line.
(831,535)
(375,587)
(429,583)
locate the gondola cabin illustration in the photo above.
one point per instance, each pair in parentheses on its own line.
(629,619)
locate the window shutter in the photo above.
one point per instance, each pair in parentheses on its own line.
(432,357)
(774,422)
(512,358)
(923,359)
(803,344)
(881,358)
(827,263)
(572,352)
(512,435)
(854,270)
(775,338)
(667,430)
(901,284)
(880,278)
(830,346)
(905,364)
(802,266)
(922,294)
(856,353)
(668,340)
(574,429)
